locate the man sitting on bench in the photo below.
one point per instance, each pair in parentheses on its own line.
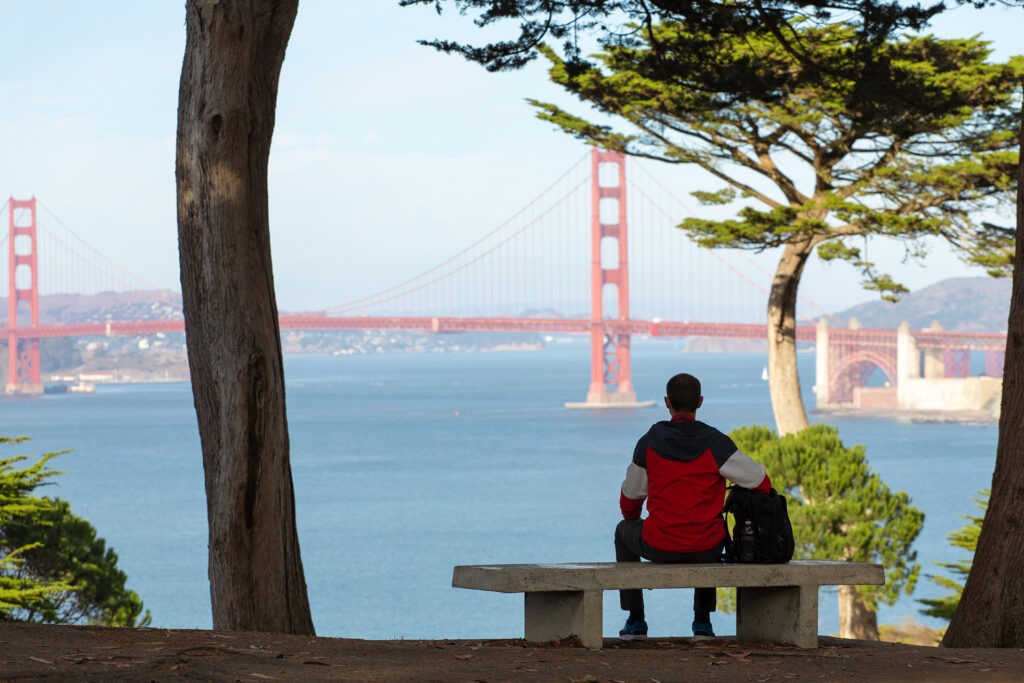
(679,467)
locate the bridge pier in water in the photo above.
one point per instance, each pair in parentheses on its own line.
(609,349)
(23,371)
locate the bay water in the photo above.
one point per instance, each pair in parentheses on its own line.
(406,465)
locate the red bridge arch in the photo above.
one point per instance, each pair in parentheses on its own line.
(854,369)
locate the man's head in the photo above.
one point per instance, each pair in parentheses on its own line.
(682,394)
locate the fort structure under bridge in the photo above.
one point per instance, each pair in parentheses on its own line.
(924,370)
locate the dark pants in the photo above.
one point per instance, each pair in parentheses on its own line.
(630,547)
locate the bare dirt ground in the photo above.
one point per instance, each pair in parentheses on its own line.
(30,652)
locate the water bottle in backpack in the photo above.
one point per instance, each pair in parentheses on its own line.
(745,542)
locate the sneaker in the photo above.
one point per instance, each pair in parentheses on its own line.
(702,629)
(634,630)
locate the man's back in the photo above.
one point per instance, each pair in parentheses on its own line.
(685,485)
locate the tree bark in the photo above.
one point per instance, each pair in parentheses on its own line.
(856,619)
(991,609)
(783,376)
(227,98)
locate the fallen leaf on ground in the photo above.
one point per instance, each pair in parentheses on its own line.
(954,660)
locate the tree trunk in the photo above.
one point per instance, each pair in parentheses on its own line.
(856,619)
(227,98)
(783,377)
(991,609)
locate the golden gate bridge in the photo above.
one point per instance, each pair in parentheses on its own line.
(595,254)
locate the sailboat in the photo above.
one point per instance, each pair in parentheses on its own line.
(764,373)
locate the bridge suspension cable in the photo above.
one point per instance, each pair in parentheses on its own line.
(75,266)
(454,283)
(736,253)
(537,260)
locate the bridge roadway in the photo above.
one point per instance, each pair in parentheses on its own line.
(925,339)
(314,322)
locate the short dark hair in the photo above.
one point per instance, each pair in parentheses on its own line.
(683,392)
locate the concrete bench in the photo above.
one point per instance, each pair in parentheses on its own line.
(775,603)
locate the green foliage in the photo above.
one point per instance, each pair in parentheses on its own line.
(966,538)
(840,509)
(63,546)
(54,569)
(726,600)
(724,196)
(908,138)
(567,21)
(16,485)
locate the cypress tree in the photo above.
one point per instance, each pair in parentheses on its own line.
(841,510)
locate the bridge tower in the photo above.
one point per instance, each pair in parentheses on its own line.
(609,273)
(23,375)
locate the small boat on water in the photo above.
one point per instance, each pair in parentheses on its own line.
(64,387)
(764,373)
(81,387)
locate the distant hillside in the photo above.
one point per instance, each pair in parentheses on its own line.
(967,304)
(71,309)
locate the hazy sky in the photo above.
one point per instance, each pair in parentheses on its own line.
(388,157)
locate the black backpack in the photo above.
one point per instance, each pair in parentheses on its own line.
(762,532)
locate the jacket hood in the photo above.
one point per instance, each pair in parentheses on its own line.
(685,439)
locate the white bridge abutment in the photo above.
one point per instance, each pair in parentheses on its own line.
(822,367)
(934,359)
(908,364)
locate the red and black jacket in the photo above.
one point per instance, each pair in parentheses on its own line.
(680,468)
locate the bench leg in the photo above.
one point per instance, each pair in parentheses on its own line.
(786,614)
(555,615)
